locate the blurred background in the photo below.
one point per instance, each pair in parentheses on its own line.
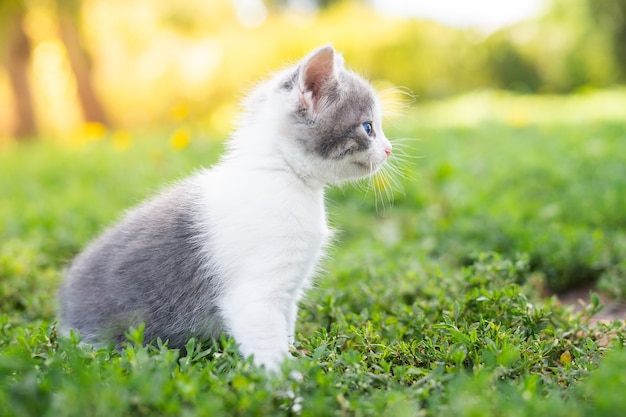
(73,70)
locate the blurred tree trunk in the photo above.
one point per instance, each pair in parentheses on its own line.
(17,60)
(81,63)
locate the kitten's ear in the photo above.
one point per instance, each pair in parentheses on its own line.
(318,77)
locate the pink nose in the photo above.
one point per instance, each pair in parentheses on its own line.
(388,151)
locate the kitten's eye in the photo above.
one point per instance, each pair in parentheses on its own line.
(367,126)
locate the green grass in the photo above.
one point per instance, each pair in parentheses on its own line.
(430,307)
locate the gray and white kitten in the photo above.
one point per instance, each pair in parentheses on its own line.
(232,248)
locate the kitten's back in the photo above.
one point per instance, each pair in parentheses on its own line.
(150,268)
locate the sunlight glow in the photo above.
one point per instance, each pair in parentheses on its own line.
(484,14)
(199,61)
(250,13)
(55,84)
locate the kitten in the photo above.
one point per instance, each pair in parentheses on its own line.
(232,249)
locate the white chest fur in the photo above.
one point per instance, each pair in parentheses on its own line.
(266,231)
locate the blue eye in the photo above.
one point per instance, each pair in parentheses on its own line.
(367,126)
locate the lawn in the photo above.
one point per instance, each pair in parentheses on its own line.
(437,303)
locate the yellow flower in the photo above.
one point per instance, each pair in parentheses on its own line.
(93,131)
(179,112)
(121,140)
(180,139)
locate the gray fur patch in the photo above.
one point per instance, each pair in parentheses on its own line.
(150,269)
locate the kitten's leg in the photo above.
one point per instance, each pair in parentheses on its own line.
(259,325)
(292,317)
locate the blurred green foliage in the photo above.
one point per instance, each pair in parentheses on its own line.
(574,45)
(414,313)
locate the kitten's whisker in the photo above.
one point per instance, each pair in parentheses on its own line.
(395,174)
(383,190)
(395,101)
(403,148)
(387,187)
(405,141)
(374,185)
(397,170)
(398,160)
(399,90)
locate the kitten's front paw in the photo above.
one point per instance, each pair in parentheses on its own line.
(272,366)
(271,363)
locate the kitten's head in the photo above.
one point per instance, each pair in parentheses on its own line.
(327,119)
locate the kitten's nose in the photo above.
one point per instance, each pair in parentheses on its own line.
(388,151)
